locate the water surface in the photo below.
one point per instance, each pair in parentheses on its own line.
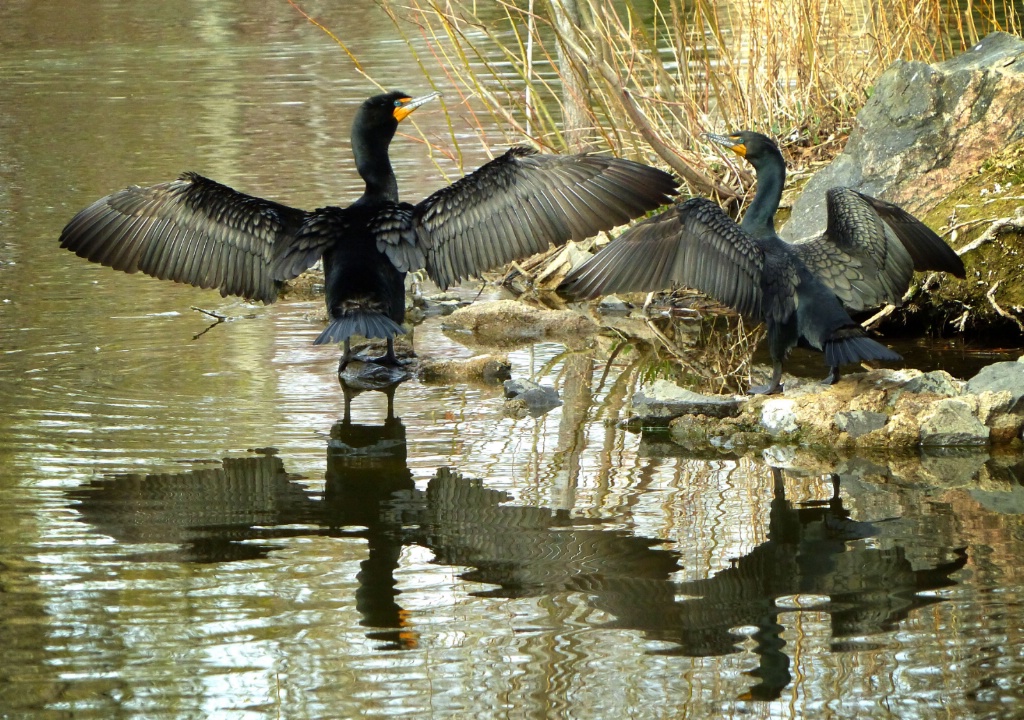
(191,527)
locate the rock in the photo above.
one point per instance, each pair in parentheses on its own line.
(1000,377)
(860,422)
(360,375)
(613,304)
(489,368)
(936,382)
(778,416)
(665,400)
(951,422)
(512,321)
(902,431)
(536,399)
(1005,427)
(443,303)
(925,126)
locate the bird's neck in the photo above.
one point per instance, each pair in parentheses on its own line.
(759,219)
(374,167)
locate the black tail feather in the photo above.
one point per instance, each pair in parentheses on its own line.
(855,348)
(363,323)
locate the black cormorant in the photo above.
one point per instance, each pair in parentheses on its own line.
(802,291)
(197,231)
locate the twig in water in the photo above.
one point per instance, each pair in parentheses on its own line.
(218,319)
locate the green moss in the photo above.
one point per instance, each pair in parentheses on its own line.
(970,211)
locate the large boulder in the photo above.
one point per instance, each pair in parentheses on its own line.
(1001,377)
(925,126)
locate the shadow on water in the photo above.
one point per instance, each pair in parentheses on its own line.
(815,556)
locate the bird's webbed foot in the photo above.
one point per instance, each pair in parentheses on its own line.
(389,358)
(770,389)
(833,376)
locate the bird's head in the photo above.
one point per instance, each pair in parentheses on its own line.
(381,113)
(752,146)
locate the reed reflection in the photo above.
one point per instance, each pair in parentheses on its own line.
(238,510)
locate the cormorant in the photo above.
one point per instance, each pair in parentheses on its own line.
(197,231)
(801,291)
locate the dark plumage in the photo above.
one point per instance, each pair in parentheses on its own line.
(197,231)
(802,291)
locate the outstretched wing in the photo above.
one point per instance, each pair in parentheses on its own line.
(870,250)
(191,230)
(694,244)
(926,249)
(522,202)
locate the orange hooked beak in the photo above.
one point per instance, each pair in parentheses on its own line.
(730,141)
(409,104)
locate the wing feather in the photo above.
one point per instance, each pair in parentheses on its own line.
(694,244)
(926,248)
(522,202)
(191,230)
(870,249)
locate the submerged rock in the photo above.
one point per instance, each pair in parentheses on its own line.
(510,321)
(487,368)
(531,397)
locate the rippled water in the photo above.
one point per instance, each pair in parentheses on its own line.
(190,526)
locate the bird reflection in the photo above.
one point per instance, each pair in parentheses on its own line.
(810,550)
(206,513)
(366,466)
(522,551)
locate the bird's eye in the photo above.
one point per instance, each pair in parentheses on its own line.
(399,103)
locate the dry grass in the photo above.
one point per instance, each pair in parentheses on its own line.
(645,82)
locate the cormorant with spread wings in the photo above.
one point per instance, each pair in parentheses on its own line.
(197,231)
(802,291)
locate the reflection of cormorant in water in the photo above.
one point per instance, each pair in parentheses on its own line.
(810,550)
(523,551)
(205,512)
(366,467)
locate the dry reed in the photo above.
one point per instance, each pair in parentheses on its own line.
(645,79)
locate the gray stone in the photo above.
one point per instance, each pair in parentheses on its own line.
(538,399)
(664,401)
(951,422)
(860,422)
(936,382)
(778,416)
(925,126)
(613,305)
(1002,376)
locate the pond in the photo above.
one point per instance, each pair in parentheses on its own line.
(192,525)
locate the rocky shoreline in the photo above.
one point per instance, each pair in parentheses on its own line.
(881,409)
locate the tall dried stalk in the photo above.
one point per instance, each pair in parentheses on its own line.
(644,80)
